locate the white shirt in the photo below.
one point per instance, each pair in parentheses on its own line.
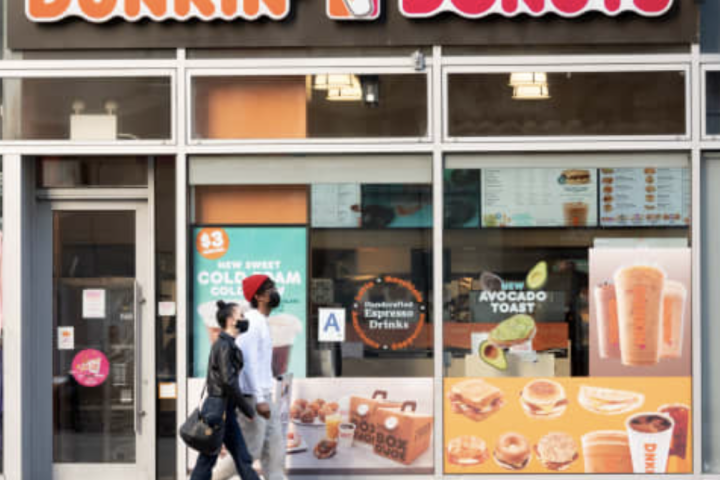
(256,378)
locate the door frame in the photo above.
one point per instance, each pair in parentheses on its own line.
(122,200)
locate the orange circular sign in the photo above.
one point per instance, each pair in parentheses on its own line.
(389,313)
(212,243)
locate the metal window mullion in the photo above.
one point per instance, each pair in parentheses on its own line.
(629,60)
(181,263)
(438,268)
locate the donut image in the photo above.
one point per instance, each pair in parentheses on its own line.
(512,451)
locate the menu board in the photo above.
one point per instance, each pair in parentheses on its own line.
(645,197)
(539,197)
(336,205)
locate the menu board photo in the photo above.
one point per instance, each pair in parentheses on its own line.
(539,197)
(645,197)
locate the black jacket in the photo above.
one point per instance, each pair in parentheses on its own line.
(224,367)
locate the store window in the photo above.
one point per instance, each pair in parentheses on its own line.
(93,172)
(312,106)
(166,324)
(89,109)
(710,321)
(566,103)
(712,105)
(709,27)
(566,313)
(348,239)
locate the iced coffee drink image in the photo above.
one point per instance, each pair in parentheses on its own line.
(639,292)
(607,321)
(679,458)
(575,214)
(283,330)
(650,435)
(607,451)
(674,298)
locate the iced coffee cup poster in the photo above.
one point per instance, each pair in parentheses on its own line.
(640,312)
(223,257)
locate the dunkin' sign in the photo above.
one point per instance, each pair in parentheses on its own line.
(368,10)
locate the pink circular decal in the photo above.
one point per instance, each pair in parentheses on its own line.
(90,368)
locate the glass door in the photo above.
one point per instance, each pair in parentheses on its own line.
(102,341)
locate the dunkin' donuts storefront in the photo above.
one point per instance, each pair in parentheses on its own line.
(491,224)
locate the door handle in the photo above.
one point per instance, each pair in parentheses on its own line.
(139,413)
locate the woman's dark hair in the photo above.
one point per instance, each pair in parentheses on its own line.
(225,311)
(267,285)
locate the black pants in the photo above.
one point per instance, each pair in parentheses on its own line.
(233,440)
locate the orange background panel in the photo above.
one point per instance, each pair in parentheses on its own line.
(259,107)
(548,336)
(337,9)
(576,421)
(251,205)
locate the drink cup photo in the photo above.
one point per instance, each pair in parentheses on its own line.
(283,330)
(607,451)
(674,298)
(332,426)
(650,435)
(575,213)
(639,292)
(347,435)
(606,321)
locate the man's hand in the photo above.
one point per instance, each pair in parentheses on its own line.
(263,409)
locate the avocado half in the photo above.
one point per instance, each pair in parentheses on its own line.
(492,355)
(537,276)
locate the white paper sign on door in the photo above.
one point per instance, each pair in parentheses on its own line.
(332,325)
(93,305)
(66,338)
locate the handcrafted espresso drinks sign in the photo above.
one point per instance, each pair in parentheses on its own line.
(369,10)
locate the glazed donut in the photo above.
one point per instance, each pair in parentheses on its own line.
(300,403)
(512,451)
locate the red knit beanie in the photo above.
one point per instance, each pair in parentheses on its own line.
(251,285)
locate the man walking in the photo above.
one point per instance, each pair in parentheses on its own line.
(263,434)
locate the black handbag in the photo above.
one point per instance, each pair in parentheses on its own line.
(204,429)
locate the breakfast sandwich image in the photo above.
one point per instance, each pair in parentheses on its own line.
(557,451)
(467,450)
(476,399)
(543,399)
(608,401)
(576,177)
(512,451)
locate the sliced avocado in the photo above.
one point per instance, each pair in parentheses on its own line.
(515,328)
(537,276)
(493,356)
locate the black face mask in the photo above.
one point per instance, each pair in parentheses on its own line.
(242,325)
(274,299)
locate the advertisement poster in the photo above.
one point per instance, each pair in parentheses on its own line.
(223,257)
(361,425)
(567,425)
(641,197)
(539,197)
(640,312)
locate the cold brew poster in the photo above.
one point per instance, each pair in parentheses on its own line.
(640,312)
(539,197)
(223,257)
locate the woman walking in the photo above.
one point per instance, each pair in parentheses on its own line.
(224,395)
